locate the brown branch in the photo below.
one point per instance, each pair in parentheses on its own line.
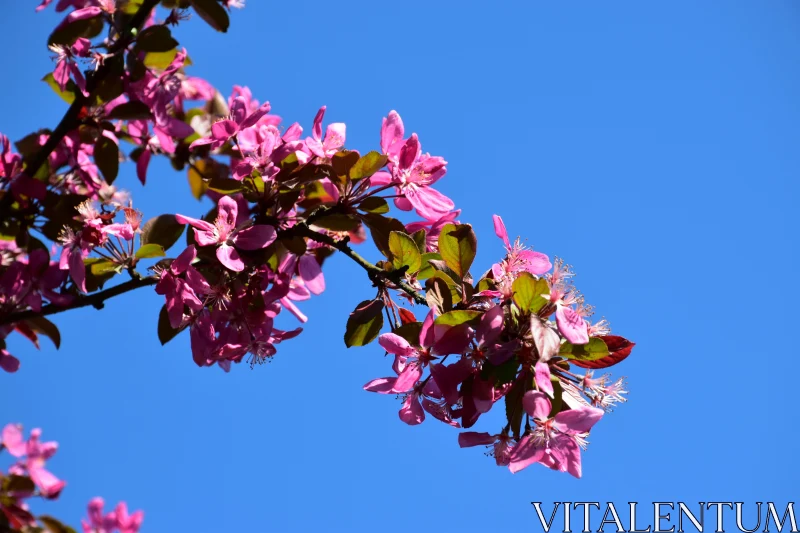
(96,300)
(375,273)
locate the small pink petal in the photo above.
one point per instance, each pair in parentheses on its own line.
(542,376)
(468,439)
(537,405)
(500,230)
(525,453)
(407,378)
(578,420)
(411,412)
(395,344)
(255,237)
(13,441)
(229,258)
(311,272)
(572,325)
(381,385)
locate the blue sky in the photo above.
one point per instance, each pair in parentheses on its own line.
(652,145)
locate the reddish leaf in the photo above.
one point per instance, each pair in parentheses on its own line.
(619,348)
(406,316)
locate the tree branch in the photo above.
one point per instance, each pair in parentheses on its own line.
(375,273)
(96,300)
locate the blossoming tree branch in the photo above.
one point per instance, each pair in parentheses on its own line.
(518,334)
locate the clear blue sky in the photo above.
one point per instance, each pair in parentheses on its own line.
(654,145)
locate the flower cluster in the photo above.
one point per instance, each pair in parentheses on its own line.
(283,202)
(493,339)
(28,478)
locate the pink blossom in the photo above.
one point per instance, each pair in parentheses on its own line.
(222,131)
(33,454)
(116,520)
(227,236)
(412,173)
(334,137)
(555,442)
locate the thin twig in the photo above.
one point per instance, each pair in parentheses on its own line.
(96,300)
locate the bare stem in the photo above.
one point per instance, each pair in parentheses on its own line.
(96,300)
(376,274)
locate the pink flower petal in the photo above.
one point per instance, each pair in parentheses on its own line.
(381,385)
(255,237)
(407,378)
(490,327)
(545,339)
(395,344)
(411,412)
(13,441)
(525,453)
(500,230)
(578,420)
(311,272)
(537,263)
(542,376)
(195,223)
(537,405)
(255,116)
(468,439)
(229,257)
(572,325)
(8,362)
(392,132)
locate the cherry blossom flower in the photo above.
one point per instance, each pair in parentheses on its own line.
(227,236)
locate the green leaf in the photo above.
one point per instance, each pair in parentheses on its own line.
(410,332)
(502,373)
(67,35)
(165,330)
(594,350)
(458,246)
(129,7)
(68,95)
(156,39)
(104,266)
(514,410)
(337,222)
(558,396)
(374,204)
(164,230)
(225,185)
(530,294)
(438,295)
(44,327)
(380,227)
(213,13)
(404,251)
(54,526)
(364,323)
(196,182)
(130,111)
(427,269)
(461,316)
(419,237)
(161,60)
(367,165)
(15,483)
(106,157)
(342,162)
(149,251)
